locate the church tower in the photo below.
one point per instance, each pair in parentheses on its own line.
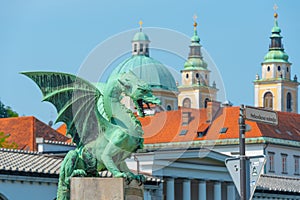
(195,90)
(275,89)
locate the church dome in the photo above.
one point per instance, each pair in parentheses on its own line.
(195,63)
(140,36)
(149,70)
(276,56)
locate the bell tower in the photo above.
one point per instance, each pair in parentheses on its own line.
(195,89)
(275,89)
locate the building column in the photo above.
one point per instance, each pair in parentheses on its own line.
(231,191)
(187,189)
(217,191)
(170,189)
(202,190)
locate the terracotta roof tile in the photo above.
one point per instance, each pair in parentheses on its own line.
(166,127)
(24,131)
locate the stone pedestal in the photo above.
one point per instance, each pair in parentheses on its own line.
(105,188)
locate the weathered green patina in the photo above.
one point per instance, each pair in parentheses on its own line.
(105,131)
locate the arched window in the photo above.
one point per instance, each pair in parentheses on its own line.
(268,100)
(169,107)
(205,102)
(288,102)
(186,103)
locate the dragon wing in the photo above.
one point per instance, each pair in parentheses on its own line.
(76,102)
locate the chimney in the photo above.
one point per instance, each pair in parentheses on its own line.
(212,109)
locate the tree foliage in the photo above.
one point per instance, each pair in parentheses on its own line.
(6,111)
(6,144)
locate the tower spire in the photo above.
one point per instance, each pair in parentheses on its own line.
(141,25)
(275,89)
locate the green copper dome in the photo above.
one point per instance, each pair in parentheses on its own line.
(140,36)
(276,56)
(150,70)
(195,63)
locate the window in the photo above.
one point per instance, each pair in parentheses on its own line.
(186,75)
(186,103)
(271,161)
(169,107)
(197,75)
(205,102)
(141,47)
(284,163)
(147,49)
(135,48)
(288,102)
(223,130)
(268,100)
(183,132)
(279,68)
(186,117)
(268,69)
(296,165)
(287,69)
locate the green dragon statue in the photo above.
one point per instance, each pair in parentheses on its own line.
(104,130)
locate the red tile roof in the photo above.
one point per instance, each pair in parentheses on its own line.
(166,127)
(24,131)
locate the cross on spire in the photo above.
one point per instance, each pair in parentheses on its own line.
(275,7)
(195,23)
(141,25)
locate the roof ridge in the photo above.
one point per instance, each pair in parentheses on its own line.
(59,142)
(278,176)
(19,151)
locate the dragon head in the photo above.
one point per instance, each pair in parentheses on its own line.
(138,90)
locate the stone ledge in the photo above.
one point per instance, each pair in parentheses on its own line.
(105,188)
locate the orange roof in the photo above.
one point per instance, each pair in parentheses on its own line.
(62,129)
(24,131)
(165,127)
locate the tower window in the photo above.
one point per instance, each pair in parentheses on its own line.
(147,49)
(288,102)
(186,103)
(205,102)
(268,69)
(279,68)
(141,47)
(268,100)
(287,69)
(197,75)
(135,48)
(186,75)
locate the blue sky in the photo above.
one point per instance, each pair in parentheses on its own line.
(58,35)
